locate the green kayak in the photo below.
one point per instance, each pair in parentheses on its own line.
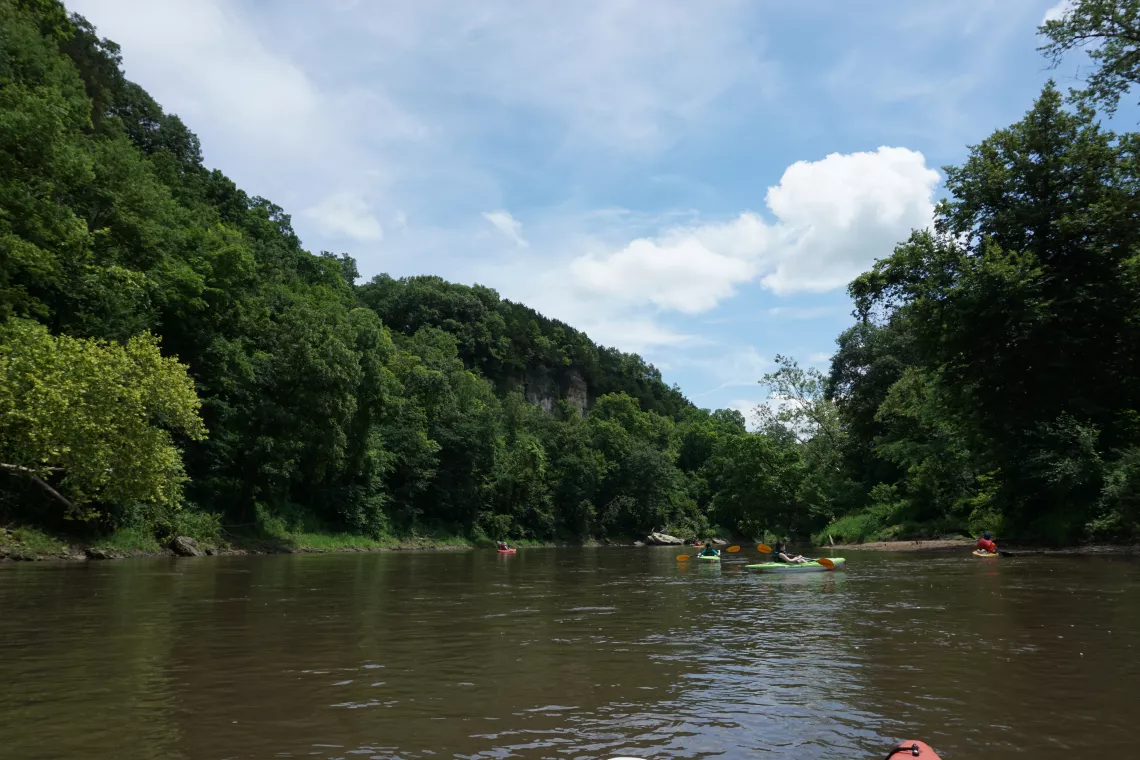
(807,567)
(714,558)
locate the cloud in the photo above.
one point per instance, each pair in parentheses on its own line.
(805,312)
(680,272)
(834,217)
(507,225)
(820,357)
(1058,11)
(205,62)
(843,212)
(747,407)
(740,368)
(346,215)
(631,75)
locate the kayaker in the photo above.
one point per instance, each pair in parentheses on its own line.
(709,551)
(986,544)
(780,554)
(503,546)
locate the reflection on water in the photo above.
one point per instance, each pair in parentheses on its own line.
(566,653)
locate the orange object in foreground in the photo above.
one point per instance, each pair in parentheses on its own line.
(913,748)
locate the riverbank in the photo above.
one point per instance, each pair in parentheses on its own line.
(964,544)
(33,545)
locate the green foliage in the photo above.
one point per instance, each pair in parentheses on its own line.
(994,370)
(1109,32)
(366,411)
(96,414)
(991,380)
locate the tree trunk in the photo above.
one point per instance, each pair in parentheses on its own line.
(39,481)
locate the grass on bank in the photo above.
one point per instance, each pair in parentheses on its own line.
(29,543)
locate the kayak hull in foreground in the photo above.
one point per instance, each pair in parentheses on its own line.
(979,553)
(807,567)
(913,748)
(506,551)
(703,558)
(909,748)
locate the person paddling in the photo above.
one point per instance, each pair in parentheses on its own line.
(986,544)
(780,554)
(503,546)
(709,551)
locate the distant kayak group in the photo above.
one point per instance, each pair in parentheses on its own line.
(782,560)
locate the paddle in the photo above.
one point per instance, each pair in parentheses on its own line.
(686,557)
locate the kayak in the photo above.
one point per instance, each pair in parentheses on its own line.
(909,748)
(807,567)
(714,558)
(979,553)
(505,551)
(913,748)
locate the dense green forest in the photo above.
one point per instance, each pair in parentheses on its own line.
(174,362)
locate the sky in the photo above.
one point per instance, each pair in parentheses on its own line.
(695,182)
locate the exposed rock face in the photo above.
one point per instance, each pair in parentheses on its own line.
(541,391)
(663,539)
(718,542)
(184,546)
(544,389)
(577,393)
(93,553)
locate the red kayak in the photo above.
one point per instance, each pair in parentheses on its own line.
(506,551)
(913,748)
(909,748)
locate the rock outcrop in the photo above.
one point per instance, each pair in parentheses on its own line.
(184,546)
(663,539)
(93,552)
(577,392)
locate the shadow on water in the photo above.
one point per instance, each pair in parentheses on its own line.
(565,653)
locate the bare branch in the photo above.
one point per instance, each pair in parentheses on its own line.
(40,481)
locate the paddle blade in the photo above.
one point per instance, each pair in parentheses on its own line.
(683,558)
(826,563)
(764,548)
(732,549)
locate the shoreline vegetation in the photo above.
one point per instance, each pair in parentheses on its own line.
(22,544)
(175,365)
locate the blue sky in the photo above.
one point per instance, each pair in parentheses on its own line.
(692,181)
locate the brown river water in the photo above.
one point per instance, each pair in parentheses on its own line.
(568,653)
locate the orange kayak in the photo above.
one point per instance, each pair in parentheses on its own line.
(506,551)
(913,748)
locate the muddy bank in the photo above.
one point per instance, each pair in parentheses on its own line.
(965,544)
(17,545)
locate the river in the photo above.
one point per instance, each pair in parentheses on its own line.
(567,653)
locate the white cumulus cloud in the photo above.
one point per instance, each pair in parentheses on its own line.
(839,214)
(680,273)
(1058,11)
(346,215)
(833,218)
(508,225)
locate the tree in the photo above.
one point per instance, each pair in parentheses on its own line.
(94,416)
(1109,32)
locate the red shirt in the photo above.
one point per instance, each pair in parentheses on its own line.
(987,546)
